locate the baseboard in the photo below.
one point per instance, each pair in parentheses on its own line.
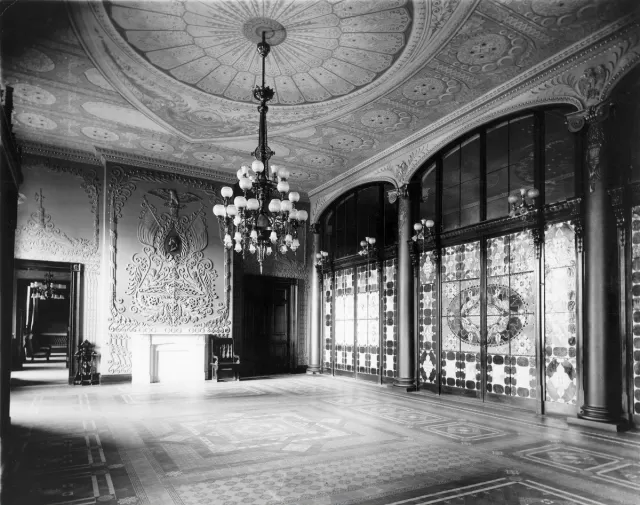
(115,379)
(586,423)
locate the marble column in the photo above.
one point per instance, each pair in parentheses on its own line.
(406,351)
(315,366)
(601,346)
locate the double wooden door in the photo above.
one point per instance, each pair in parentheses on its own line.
(267,323)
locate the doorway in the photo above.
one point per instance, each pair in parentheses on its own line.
(267,326)
(46,322)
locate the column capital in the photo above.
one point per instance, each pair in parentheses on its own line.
(593,117)
(590,115)
(315,227)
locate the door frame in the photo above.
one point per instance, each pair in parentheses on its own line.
(293,304)
(76,272)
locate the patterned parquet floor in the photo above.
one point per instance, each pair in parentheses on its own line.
(303,440)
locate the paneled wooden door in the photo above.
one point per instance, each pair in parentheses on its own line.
(267,323)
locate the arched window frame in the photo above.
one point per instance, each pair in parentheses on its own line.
(386,232)
(497,226)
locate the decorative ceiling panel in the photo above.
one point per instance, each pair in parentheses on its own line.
(173,80)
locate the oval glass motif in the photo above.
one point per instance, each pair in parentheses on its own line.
(505,306)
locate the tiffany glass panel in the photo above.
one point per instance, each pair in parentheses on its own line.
(427,319)
(511,319)
(560,313)
(460,277)
(344,319)
(635,310)
(390,320)
(327,301)
(368,322)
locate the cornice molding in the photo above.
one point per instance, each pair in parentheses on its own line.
(518,85)
(60,152)
(139,161)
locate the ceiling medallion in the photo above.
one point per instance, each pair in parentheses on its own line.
(266,220)
(254,28)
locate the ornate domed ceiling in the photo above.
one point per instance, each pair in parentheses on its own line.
(320,51)
(172,80)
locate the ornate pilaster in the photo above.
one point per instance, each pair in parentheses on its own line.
(578,226)
(617,204)
(315,366)
(601,346)
(406,357)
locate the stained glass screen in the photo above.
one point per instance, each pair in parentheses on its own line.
(344,319)
(389,269)
(560,314)
(368,320)
(327,282)
(428,320)
(511,294)
(460,277)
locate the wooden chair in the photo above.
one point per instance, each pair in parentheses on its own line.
(223,360)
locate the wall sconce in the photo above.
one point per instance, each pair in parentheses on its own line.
(322,258)
(368,246)
(519,205)
(423,229)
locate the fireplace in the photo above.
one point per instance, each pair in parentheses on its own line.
(168,358)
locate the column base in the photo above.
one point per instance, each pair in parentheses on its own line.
(612,426)
(405,383)
(314,370)
(597,414)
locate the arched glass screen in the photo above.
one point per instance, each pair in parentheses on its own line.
(364,212)
(470,180)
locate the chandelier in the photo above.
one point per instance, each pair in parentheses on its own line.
(264,217)
(47,290)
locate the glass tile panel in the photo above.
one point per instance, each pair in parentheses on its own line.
(428,320)
(368,212)
(451,168)
(559,146)
(344,319)
(328,302)
(428,194)
(520,140)
(497,147)
(368,315)
(460,320)
(470,159)
(511,320)
(560,314)
(390,323)
(497,193)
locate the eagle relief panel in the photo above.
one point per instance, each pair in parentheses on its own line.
(167,269)
(171,282)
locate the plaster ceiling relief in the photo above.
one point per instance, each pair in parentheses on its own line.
(94,76)
(323,50)
(355,82)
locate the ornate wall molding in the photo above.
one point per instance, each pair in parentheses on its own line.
(122,184)
(40,237)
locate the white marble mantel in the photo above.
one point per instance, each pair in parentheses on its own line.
(159,357)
